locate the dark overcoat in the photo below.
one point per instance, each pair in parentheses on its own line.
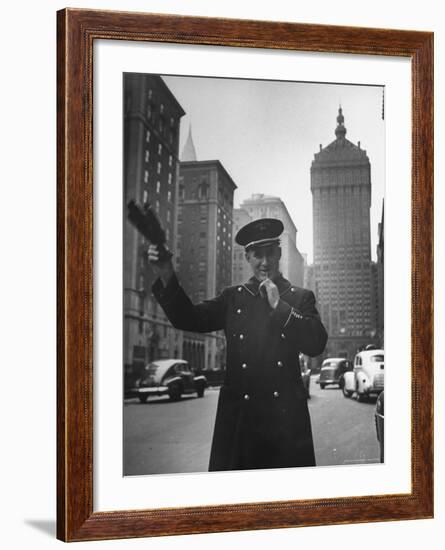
(262,418)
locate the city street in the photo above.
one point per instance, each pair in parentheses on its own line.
(171,437)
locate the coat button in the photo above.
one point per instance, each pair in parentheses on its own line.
(238,311)
(240,288)
(279,363)
(292,289)
(283,335)
(246,397)
(244,366)
(276,394)
(241,336)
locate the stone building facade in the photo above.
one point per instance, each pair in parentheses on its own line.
(266,206)
(381,279)
(204,247)
(151,144)
(241,270)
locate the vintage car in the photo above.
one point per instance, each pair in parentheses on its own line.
(172,377)
(332,370)
(380,424)
(368,376)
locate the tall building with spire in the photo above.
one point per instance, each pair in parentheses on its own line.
(189,151)
(343,277)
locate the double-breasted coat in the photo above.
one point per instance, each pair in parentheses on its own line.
(262,419)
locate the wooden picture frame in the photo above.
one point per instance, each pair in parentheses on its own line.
(77,31)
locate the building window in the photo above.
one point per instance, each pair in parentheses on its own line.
(168,215)
(170,160)
(157,207)
(159,168)
(158,186)
(149,111)
(181,192)
(147,136)
(145,197)
(169,179)
(145,176)
(147,155)
(162,108)
(203,190)
(169,196)
(160,149)
(150,93)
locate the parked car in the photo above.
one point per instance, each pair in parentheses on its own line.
(332,370)
(380,424)
(368,375)
(172,377)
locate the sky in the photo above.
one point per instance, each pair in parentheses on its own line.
(265,133)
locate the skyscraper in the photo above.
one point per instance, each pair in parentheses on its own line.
(341,194)
(241,270)
(266,206)
(381,278)
(204,247)
(151,144)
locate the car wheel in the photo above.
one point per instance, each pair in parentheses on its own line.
(346,393)
(322,386)
(200,391)
(360,397)
(175,392)
(143,398)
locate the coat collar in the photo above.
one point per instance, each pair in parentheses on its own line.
(253,284)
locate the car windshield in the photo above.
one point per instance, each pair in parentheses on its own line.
(151,368)
(377,358)
(329,365)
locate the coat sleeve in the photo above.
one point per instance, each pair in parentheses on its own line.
(304,324)
(206,316)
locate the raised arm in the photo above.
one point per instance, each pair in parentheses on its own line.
(206,316)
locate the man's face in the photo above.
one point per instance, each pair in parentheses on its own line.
(264,261)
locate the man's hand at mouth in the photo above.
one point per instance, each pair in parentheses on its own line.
(269,289)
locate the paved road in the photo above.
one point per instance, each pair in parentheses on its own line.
(343,429)
(161,436)
(171,437)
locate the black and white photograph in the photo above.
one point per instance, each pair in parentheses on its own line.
(253,269)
